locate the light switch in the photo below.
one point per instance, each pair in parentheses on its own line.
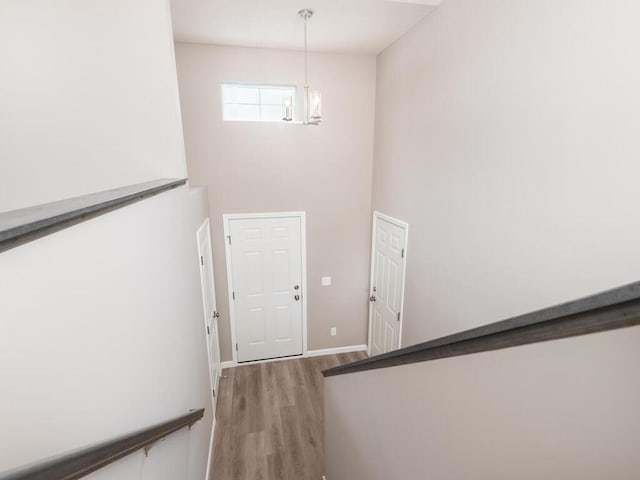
(326,281)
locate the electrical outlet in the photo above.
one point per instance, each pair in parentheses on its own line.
(334,331)
(326,281)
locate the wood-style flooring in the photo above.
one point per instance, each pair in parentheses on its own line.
(270,420)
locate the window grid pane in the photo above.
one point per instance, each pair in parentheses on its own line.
(255,103)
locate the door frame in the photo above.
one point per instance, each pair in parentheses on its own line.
(226,218)
(206,225)
(377,216)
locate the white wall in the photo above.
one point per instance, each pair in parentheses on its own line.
(562,409)
(507,136)
(89,98)
(267,167)
(101,324)
(103,333)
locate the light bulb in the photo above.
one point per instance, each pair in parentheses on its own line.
(316,105)
(288,109)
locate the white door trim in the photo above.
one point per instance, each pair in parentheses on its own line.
(226,218)
(404,225)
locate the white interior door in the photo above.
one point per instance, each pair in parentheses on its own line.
(267,282)
(389,245)
(209,302)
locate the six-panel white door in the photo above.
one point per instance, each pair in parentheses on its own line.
(266,266)
(388,262)
(209,305)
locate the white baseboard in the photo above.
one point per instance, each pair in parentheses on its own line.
(310,353)
(333,351)
(232,364)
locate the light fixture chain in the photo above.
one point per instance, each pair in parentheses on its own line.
(306,54)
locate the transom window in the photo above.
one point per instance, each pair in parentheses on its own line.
(256,103)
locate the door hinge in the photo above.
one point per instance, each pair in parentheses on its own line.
(402,254)
(233,295)
(229,239)
(214,393)
(208,331)
(236,347)
(201,260)
(398,316)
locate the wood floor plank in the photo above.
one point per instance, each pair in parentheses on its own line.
(256,403)
(270,420)
(295,457)
(277,464)
(256,464)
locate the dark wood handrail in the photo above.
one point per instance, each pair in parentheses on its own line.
(612,309)
(28,224)
(78,463)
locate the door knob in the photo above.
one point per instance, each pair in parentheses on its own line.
(372,298)
(297,297)
(216,314)
(296,287)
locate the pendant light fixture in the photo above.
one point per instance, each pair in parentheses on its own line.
(312,98)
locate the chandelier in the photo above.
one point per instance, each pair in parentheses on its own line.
(312,98)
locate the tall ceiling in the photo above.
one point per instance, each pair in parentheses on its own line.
(349,26)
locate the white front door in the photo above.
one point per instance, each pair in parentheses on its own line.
(387,283)
(209,304)
(266,279)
